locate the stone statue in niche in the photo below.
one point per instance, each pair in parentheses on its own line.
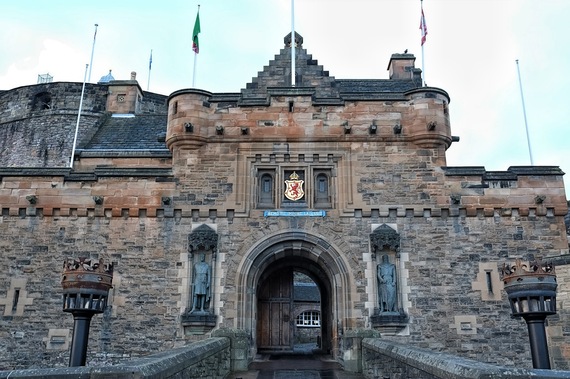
(386,274)
(202,275)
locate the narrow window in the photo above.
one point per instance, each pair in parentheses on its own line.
(290,106)
(322,190)
(489,281)
(266,189)
(16,299)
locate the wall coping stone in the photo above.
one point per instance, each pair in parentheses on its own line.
(71,175)
(448,366)
(161,365)
(514,170)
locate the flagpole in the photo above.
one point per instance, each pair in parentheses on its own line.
(92,52)
(194,71)
(423,29)
(293,43)
(423,68)
(195,52)
(149,68)
(78,118)
(524,114)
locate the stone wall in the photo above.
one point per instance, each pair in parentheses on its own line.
(445,252)
(37,123)
(456,226)
(205,359)
(385,359)
(41,99)
(558,326)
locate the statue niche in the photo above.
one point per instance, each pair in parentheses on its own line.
(385,245)
(202,246)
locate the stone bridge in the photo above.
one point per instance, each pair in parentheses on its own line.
(219,357)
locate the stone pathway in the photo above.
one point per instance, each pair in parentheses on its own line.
(294,366)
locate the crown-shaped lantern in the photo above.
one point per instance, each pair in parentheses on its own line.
(531,289)
(86,284)
(532,294)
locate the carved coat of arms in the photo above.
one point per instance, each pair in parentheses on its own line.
(294,187)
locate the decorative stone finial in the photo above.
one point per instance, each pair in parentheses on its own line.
(298,40)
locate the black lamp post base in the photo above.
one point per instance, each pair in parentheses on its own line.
(538,342)
(78,355)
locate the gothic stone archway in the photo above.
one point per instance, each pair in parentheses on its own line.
(286,252)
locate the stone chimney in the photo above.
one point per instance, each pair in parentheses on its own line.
(401,66)
(124,96)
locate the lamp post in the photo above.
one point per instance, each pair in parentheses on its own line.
(532,294)
(86,285)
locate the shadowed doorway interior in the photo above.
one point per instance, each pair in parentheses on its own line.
(290,310)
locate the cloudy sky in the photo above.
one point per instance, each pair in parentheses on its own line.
(471,52)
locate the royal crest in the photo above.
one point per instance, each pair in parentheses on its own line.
(294,187)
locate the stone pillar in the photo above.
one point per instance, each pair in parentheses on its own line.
(352,347)
(240,342)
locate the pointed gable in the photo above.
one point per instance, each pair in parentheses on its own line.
(313,80)
(275,79)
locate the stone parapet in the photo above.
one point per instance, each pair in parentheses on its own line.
(202,359)
(387,359)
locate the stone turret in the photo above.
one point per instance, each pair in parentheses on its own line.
(188,112)
(429,126)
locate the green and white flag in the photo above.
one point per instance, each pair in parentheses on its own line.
(195,43)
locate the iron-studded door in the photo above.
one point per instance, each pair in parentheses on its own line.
(274,312)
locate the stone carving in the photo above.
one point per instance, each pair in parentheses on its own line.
(455,199)
(201,294)
(384,236)
(298,40)
(203,237)
(386,273)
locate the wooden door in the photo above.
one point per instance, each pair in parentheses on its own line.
(274,312)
